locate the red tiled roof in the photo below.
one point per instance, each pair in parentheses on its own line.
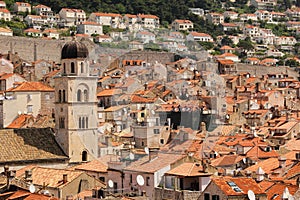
(161,161)
(225,47)
(245,184)
(31,30)
(188,169)
(278,189)
(138,99)
(26,195)
(31,86)
(95,166)
(90,23)
(227,160)
(226,62)
(183,21)
(108,92)
(107,14)
(147,16)
(4,10)
(200,34)
(23,3)
(20,121)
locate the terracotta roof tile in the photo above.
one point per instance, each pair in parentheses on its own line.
(188,169)
(107,14)
(244,184)
(109,92)
(147,16)
(226,160)
(278,189)
(51,177)
(29,145)
(138,99)
(162,160)
(26,195)
(31,86)
(94,166)
(20,121)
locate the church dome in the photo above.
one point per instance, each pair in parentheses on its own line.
(74,49)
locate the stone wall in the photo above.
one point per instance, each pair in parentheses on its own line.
(31,49)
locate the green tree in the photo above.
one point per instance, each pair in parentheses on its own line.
(207,45)
(106,29)
(246,44)
(226,41)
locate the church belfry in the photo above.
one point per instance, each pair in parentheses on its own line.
(76,104)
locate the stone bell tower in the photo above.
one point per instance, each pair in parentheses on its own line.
(76,104)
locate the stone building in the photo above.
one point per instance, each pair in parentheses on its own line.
(76,105)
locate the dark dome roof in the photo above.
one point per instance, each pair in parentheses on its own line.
(74,49)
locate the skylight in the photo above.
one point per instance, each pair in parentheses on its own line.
(234,186)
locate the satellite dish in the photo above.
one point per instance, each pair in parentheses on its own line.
(251,195)
(46,192)
(227,116)
(131,156)
(140,180)
(31,188)
(153,112)
(146,149)
(19,112)
(110,183)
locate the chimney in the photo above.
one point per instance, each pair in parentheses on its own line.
(282,162)
(298,156)
(203,127)
(153,154)
(260,174)
(65,178)
(28,176)
(234,108)
(287,116)
(248,174)
(257,87)
(239,80)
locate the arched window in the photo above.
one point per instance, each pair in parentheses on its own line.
(64,96)
(72,68)
(81,67)
(79,122)
(86,122)
(78,95)
(59,96)
(84,156)
(64,68)
(83,122)
(85,95)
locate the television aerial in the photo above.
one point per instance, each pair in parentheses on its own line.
(146,149)
(251,195)
(110,183)
(32,188)
(140,180)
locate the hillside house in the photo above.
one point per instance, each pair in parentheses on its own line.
(182,25)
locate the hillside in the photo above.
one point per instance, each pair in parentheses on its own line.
(167,10)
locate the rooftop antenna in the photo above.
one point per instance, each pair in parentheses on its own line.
(251,195)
